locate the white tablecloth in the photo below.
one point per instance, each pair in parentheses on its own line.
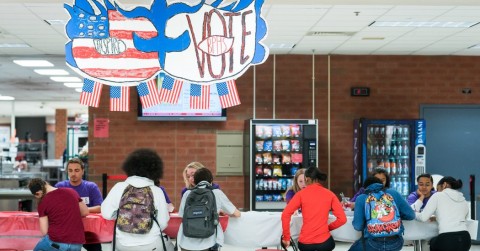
(264,229)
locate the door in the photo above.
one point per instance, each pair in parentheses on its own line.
(453,143)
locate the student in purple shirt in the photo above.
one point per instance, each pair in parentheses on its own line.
(379,173)
(297,184)
(87,190)
(418,199)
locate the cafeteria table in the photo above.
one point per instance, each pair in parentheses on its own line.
(176,220)
(263,229)
(21,230)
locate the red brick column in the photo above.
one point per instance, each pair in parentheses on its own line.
(60,132)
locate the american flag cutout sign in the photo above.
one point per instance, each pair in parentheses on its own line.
(199,96)
(148,93)
(125,63)
(227,92)
(120,98)
(170,89)
(91,92)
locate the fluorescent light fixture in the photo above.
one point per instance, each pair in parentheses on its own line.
(14,45)
(52,72)
(66,79)
(73,85)
(33,63)
(55,21)
(373,38)
(427,24)
(6,98)
(78,89)
(282,46)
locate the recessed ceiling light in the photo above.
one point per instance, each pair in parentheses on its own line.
(5,98)
(373,38)
(52,72)
(14,45)
(33,63)
(429,24)
(78,89)
(66,79)
(73,85)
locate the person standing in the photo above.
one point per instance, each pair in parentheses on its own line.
(60,212)
(144,168)
(451,212)
(87,190)
(316,202)
(380,213)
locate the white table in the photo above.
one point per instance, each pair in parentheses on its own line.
(264,229)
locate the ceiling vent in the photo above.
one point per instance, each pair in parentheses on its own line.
(330,33)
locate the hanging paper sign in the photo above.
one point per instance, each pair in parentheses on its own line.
(203,42)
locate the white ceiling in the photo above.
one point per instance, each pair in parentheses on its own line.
(288,21)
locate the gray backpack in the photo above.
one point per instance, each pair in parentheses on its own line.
(200,217)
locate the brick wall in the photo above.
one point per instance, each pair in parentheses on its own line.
(60,132)
(399,85)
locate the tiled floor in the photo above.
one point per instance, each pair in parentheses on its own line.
(340,246)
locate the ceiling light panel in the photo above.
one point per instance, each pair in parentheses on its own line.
(424,24)
(33,63)
(73,85)
(66,79)
(14,45)
(52,72)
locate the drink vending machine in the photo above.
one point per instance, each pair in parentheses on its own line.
(398,146)
(275,150)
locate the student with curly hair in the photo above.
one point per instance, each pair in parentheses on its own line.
(144,168)
(60,212)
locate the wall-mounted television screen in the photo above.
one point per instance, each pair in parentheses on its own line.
(182,111)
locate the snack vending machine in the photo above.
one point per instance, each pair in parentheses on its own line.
(398,146)
(275,150)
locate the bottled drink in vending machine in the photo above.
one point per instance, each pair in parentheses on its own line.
(405,132)
(393,168)
(399,149)
(382,132)
(393,149)
(387,166)
(376,149)
(393,183)
(387,150)
(370,131)
(405,167)
(370,166)
(377,131)
(405,186)
(382,149)
(399,167)
(406,151)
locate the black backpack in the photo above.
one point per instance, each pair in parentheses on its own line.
(200,217)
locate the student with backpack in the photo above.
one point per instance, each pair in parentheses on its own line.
(378,214)
(200,206)
(138,204)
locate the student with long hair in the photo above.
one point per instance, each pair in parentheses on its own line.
(451,211)
(316,203)
(298,184)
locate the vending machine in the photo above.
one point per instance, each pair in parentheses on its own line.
(275,150)
(398,146)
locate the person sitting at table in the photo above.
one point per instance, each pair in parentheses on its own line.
(298,184)
(223,204)
(87,190)
(418,199)
(60,212)
(144,168)
(379,173)
(451,212)
(316,202)
(374,187)
(188,173)
(170,205)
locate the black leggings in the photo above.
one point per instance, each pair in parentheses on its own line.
(327,245)
(458,241)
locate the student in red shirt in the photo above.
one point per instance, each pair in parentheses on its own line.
(316,202)
(60,212)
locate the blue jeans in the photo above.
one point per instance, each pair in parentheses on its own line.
(378,244)
(45,244)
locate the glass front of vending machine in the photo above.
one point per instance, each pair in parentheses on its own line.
(398,146)
(276,150)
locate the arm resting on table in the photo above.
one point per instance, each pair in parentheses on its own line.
(83,209)
(94,209)
(236,213)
